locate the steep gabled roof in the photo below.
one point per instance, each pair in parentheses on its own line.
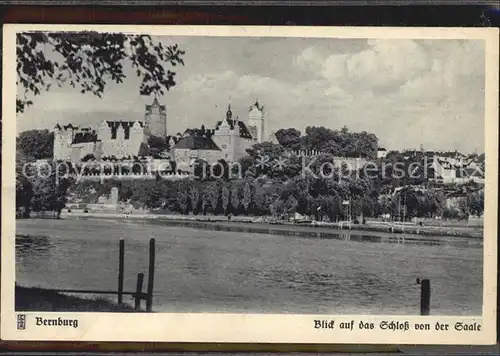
(473,172)
(155,104)
(196,143)
(85,137)
(243,129)
(123,124)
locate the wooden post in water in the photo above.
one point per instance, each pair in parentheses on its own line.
(425,297)
(151,275)
(138,291)
(121,265)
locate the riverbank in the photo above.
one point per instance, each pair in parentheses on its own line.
(321,230)
(39,299)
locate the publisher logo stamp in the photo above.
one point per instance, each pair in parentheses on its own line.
(21,322)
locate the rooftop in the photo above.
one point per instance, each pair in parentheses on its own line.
(155,104)
(196,143)
(243,129)
(124,124)
(85,137)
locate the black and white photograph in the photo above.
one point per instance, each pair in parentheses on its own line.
(250,174)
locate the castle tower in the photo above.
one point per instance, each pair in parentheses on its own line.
(63,138)
(225,135)
(256,121)
(155,119)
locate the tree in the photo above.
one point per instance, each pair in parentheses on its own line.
(212,195)
(157,145)
(436,202)
(24,188)
(339,143)
(154,197)
(144,150)
(289,138)
(291,205)
(200,169)
(221,169)
(183,197)
(264,155)
(225,198)
(90,60)
(235,198)
(245,163)
(49,191)
(195,198)
(476,203)
(277,208)
(247,196)
(36,144)
(88,157)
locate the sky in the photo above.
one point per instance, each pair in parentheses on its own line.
(407,92)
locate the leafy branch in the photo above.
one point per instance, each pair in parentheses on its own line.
(88,61)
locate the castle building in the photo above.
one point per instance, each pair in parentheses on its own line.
(112,138)
(256,121)
(155,119)
(233,137)
(193,147)
(228,140)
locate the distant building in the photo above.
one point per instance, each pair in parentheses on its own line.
(155,119)
(456,170)
(233,137)
(228,140)
(256,124)
(112,138)
(190,148)
(381,152)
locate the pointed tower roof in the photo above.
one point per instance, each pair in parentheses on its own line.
(229,113)
(257,106)
(155,103)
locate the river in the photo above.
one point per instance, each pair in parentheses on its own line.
(238,272)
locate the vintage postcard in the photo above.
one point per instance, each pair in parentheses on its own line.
(249,184)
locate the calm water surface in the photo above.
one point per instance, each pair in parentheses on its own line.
(214,271)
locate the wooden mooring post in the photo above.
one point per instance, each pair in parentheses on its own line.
(138,291)
(151,276)
(138,295)
(425,297)
(121,267)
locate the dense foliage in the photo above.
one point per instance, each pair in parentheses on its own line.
(40,189)
(88,61)
(316,198)
(336,142)
(36,144)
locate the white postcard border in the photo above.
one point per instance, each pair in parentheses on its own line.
(250,328)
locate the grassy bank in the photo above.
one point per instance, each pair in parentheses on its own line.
(39,299)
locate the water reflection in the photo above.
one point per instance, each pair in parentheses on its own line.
(334,233)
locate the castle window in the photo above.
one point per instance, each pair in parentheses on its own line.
(113,132)
(224,146)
